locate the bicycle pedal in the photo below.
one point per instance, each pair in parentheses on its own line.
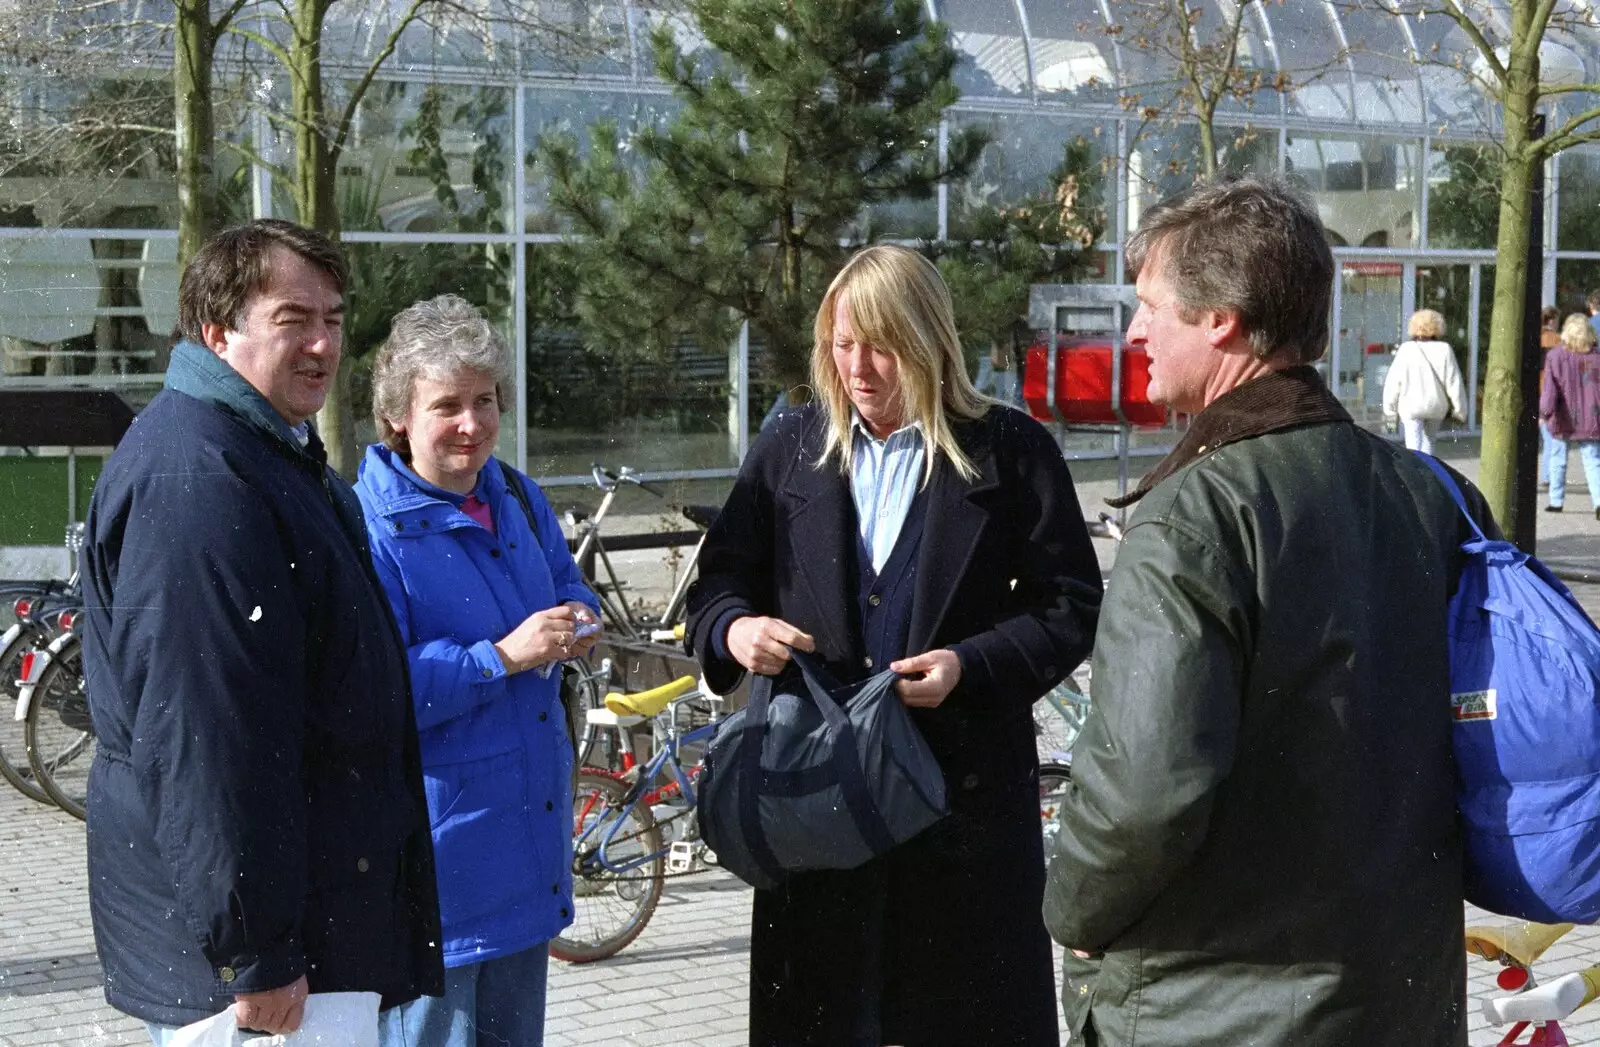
(680,857)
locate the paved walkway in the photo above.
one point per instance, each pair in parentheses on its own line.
(682,982)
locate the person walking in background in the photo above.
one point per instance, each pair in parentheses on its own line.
(1423,386)
(1259,844)
(1569,408)
(1592,305)
(257,823)
(1549,338)
(903,521)
(489,603)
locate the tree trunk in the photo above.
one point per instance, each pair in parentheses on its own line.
(195,47)
(1502,397)
(315,196)
(1208,144)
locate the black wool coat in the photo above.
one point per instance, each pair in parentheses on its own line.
(941,941)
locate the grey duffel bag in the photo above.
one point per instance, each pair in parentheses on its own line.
(813,775)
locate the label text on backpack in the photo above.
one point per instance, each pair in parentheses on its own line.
(1475,705)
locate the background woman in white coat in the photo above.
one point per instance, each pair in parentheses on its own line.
(1423,386)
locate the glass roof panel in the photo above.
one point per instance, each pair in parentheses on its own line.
(1452,76)
(1074,57)
(1387,88)
(988,34)
(1213,31)
(1310,52)
(587,38)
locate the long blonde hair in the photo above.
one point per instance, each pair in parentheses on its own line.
(898,303)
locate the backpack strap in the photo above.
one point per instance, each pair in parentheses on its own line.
(1455,491)
(520,493)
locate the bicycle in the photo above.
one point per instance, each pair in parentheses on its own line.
(36,608)
(1058,718)
(1531,1005)
(57,732)
(37,623)
(627,626)
(1054,780)
(620,860)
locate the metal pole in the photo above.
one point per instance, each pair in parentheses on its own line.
(519,270)
(1474,316)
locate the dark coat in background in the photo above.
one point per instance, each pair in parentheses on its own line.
(1260,837)
(255,804)
(941,941)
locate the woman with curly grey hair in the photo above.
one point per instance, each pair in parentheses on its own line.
(476,567)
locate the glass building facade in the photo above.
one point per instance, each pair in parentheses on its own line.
(1365,110)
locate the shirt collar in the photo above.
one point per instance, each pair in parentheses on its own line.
(859,428)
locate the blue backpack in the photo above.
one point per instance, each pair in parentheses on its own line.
(1525,692)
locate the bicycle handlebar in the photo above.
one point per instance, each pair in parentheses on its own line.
(605,479)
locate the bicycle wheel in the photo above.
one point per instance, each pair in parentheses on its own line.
(58,734)
(610,908)
(1057,719)
(1054,779)
(14,766)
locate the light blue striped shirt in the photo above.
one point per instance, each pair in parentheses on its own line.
(884,476)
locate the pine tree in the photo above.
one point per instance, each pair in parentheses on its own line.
(810,111)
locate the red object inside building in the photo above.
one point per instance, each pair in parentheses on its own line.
(1083,383)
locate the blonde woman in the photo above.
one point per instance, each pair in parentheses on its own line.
(1423,386)
(1569,407)
(902,520)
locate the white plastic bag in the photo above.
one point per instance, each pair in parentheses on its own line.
(332,1019)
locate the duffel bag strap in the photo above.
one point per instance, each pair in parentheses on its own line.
(755,730)
(846,760)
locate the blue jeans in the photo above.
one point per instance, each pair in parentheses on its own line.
(1589,454)
(160,1035)
(490,1004)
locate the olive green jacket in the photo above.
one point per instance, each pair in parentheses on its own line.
(1260,841)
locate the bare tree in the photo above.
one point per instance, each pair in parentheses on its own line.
(1501,50)
(1189,68)
(321,115)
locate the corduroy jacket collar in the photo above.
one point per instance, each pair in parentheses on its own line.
(1283,399)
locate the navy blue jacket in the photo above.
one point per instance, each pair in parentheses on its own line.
(255,805)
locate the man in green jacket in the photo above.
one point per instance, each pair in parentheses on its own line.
(1260,843)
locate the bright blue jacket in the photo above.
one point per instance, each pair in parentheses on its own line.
(496,760)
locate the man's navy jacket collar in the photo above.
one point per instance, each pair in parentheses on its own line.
(198,372)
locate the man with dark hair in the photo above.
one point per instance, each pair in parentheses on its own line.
(1260,842)
(257,823)
(1593,305)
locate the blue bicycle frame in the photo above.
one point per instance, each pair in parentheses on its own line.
(612,821)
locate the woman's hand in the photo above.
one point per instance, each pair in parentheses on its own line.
(762,644)
(544,636)
(940,672)
(583,615)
